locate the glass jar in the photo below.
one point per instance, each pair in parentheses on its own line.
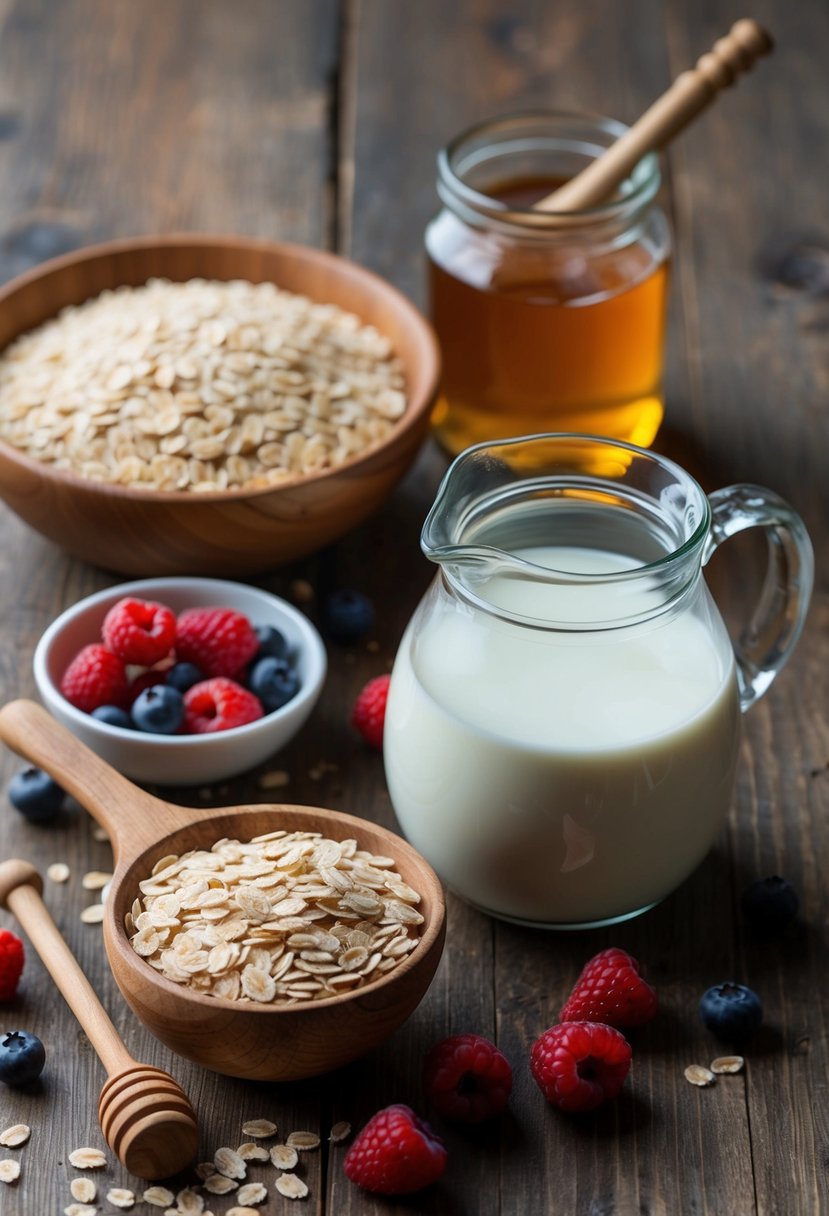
(547,321)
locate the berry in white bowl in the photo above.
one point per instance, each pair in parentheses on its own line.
(205,755)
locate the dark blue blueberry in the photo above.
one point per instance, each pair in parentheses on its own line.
(770,905)
(274,682)
(183,676)
(349,616)
(113,715)
(22,1057)
(159,710)
(272,643)
(36,795)
(732,1012)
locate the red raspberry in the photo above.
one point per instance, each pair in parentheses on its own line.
(369,712)
(218,704)
(12,958)
(611,990)
(467,1078)
(395,1153)
(139,631)
(95,677)
(219,641)
(579,1065)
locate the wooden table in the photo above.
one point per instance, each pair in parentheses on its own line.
(315,121)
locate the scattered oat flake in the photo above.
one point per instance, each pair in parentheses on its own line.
(159,1197)
(14,1136)
(259,1129)
(283,1157)
(252,1192)
(120,1197)
(93,915)
(80,1209)
(726,1064)
(9,1170)
(188,1201)
(84,1190)
(237,1211)
(303,1142)
(252,1152)
(205,1169)
(219,1184)
(95,880)
(87,1159)
(291,1187)
(98,833)
(697,1075)
(339,1132)
(58,871)
(229,1163)
(274,780)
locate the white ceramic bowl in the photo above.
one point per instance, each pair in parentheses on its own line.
(181,759)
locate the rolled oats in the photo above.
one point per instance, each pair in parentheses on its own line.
(259,1129)
(159,1197)
(252,1192)
(727,1064)
(87,1159)
(339,1132)
(283,1157)
(120,1197)
(85,1190)
(218,1184)
(80,1209)
(697,1075)
(14,1136)
(291,1187)
(253,1152)
(9,1170)
(303,1142)
(58,871)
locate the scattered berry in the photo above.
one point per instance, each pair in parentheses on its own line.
(219,641)
(113,715)
(731,1011)
(349,616)
(579,1065)
(467,1078)
(95,677)
(274,682)
(369,712)
(183,676)
(219,704)
(12,958)
(611,990)
(139,631)
(159,710)
(272,643)
(22,1056)
(396,1153)
(147,679)
(35,795)
(770,905)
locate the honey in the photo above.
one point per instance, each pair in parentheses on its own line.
(546,323)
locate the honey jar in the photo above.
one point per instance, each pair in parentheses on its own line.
(548,321)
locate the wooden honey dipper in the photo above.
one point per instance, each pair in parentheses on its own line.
(690,93)
(146,1117)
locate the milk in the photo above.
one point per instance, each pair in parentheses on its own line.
(558,776)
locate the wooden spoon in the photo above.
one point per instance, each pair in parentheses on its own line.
(243,1039)
(690,93)
(145,1116)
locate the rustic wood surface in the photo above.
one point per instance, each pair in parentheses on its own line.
(318,121)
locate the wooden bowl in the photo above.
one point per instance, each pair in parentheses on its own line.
(256,1042)
(148,532)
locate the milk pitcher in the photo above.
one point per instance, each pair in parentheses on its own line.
(563,719)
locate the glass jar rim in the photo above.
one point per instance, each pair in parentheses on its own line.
(640,187)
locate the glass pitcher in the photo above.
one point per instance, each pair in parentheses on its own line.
(563,718)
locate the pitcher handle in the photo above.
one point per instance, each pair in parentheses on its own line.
(768,639)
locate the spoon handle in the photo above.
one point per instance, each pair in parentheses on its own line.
(20,891)
(690,93)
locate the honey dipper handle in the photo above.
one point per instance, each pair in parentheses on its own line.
(20,887)
(690,93)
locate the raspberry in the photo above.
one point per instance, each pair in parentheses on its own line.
(218,704)
(139,631)
(218,641)
(611,990)
(467,1078)
(579,1065)
(12,958)
(369,712)
(95,677)
(395,1153)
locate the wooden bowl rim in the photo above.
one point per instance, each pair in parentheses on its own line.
(426,342)
(433,929)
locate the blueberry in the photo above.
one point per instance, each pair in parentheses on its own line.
(272,643)
(22,1057)
(183,676)
(769,905)
(159,710)
(731,1011)
(35,795)
(274,682)
(349,616)
(113,715)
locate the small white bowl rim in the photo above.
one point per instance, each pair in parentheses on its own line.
(312,647)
